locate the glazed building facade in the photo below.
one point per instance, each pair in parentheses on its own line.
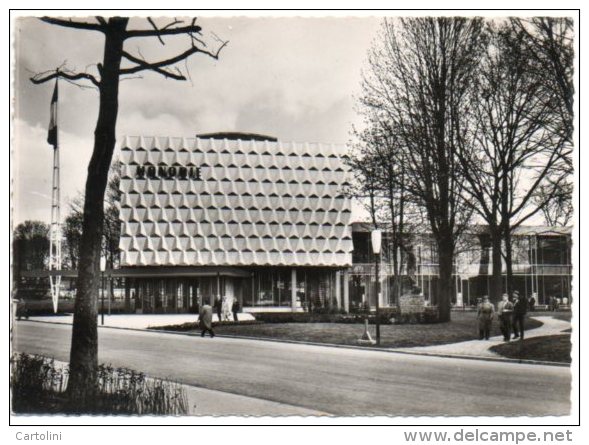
(260,221)
(541,264)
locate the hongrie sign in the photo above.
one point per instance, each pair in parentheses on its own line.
(167,172)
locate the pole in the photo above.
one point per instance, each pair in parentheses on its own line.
(102,302)
(109,289)
(377,287)
(55,228)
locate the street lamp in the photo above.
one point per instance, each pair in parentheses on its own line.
(102,269)
(376,244)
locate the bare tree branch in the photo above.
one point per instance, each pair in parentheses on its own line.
(151,22)
(163,32)
(101,26)
(42,78)
(143,65)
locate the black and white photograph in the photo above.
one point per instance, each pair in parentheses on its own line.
(296,216)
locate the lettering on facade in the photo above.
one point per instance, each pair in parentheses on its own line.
(167,172)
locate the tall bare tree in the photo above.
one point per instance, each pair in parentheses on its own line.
(379,166)
(514,158)
(549,42)
(117,62)
(420,77)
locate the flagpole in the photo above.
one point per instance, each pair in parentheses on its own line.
(55,235)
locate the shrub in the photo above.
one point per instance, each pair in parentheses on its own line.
(38,386)
(194,325)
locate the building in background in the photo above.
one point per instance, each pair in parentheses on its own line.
(247,217)
(233,216)
(542,265)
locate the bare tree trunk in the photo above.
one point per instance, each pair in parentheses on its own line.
(496,279)
(445,260)
(84,349)
(508,259)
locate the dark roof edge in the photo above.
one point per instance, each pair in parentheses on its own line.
(235,136)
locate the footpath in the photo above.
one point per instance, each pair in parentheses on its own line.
(482,348)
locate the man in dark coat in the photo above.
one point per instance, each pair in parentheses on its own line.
(205,319)
(235,308)
(505,312)
(218,305)
(485,315)
(520,308)
(532,302)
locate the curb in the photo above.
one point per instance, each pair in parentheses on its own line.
(333,345)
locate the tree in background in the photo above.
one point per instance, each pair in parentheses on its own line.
(420,79)
(513,152)
(118,61)
(30,250)
(378,164)
(549,43)
(72,227)
(31,245)
(518,163)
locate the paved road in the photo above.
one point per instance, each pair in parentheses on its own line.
(332,380)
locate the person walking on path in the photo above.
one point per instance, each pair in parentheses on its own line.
(520,308)
(532,302)
(505,312)
(485,315)
(235,308)
(205,319)
(218,306)
(225,309)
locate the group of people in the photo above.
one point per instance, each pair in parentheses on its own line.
(221,307)
(511,315)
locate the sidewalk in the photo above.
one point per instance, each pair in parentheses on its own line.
(137,321)
(481,348)
(209,402)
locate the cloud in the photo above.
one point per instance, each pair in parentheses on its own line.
(289,77)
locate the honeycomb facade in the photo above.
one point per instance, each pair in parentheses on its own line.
(206,202)
(263,222)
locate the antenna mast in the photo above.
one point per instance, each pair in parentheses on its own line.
(55,229)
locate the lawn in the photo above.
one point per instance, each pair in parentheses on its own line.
(462,327)
(553,348)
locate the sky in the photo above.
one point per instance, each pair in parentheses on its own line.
(293,78)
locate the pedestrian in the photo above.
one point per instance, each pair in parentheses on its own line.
(217,305)
(532,302)
(225,309)
(205,319)
(520,308)
(235,309)
(505,312)
(485,315)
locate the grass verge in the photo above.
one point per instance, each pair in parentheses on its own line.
(463,327)
(551,348)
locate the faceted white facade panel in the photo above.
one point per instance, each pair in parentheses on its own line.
(207,202)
